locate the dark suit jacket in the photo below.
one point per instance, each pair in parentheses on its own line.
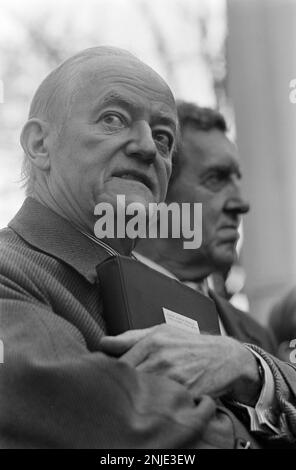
(241,326)
(57,390)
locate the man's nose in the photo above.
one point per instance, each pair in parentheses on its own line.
(141,143)
(236,204)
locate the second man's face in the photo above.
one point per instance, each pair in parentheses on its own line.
(211,175)
(118,137)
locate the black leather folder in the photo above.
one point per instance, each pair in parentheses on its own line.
(136,296)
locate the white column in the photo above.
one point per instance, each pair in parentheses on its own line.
(261,53)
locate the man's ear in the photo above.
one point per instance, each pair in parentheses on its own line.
(34,140)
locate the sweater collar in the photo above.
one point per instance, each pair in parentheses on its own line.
(50,233)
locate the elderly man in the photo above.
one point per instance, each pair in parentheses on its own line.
(101,124)
(207,170)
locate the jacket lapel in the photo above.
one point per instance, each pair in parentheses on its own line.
(236,325)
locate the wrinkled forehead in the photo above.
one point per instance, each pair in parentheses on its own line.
(127,75)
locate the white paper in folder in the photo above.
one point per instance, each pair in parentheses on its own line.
(180,321)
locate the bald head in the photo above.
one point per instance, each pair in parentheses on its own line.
(56,91)
(54,97)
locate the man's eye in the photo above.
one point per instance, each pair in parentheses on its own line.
(113,121)
(163,139)
(215,182)
(213,179)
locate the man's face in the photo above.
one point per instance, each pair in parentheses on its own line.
(211,175)
(117,138)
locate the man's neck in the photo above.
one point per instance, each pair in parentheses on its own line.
(170,254)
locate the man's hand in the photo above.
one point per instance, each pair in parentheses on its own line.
(207,365)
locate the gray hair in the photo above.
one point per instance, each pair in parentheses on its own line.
(200,119)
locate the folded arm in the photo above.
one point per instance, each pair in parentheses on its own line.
(55,393)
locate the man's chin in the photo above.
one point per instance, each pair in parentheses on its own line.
(143,199)
(225,257)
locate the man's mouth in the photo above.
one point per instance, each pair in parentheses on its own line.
(134,175)
(229,232)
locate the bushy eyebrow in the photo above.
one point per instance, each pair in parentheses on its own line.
(225,169)
(115,98)
(166,121)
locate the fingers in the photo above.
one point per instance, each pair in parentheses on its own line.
(120,344)
(136,355)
